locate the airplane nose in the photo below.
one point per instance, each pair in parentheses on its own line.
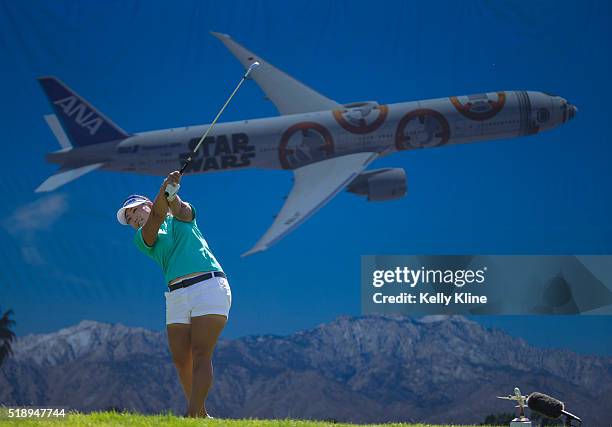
(572,110)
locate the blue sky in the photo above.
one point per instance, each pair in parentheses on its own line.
(153,65)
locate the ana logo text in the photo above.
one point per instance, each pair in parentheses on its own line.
(81,114)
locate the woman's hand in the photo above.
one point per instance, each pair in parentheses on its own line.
(160,207)
(173,177)
(171,185)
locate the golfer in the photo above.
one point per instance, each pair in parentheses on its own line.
(198,298)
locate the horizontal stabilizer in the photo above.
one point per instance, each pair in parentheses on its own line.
(64,176)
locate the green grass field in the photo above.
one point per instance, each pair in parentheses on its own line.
(99,419)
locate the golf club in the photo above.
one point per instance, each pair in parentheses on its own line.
(172,189)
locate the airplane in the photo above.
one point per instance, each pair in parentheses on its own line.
(517,397)
(520,403)
(327,145)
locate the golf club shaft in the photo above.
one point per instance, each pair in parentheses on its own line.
(218,115)
(172,189)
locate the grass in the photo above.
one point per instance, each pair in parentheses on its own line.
(99,419)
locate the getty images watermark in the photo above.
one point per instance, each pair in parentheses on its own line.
(486,284)
(422,277)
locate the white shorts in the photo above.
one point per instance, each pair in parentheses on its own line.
(212,296)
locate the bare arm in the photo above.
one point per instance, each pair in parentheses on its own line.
(181,210)
(157,216)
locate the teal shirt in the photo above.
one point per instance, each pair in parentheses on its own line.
(180,248)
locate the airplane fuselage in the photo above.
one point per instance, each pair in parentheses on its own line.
(292,141)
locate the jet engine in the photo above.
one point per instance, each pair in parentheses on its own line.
(380,184)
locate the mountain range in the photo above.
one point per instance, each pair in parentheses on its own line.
(434,369)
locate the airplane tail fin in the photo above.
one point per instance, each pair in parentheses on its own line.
(76,122)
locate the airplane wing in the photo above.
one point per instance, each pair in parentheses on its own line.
(512,397)
(286,93)
(314,185)
(64,176)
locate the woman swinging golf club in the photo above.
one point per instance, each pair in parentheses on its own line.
(198,297)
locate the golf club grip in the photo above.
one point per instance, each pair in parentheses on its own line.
(185,165)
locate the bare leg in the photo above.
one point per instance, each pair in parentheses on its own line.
(205,331)
(179,340)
